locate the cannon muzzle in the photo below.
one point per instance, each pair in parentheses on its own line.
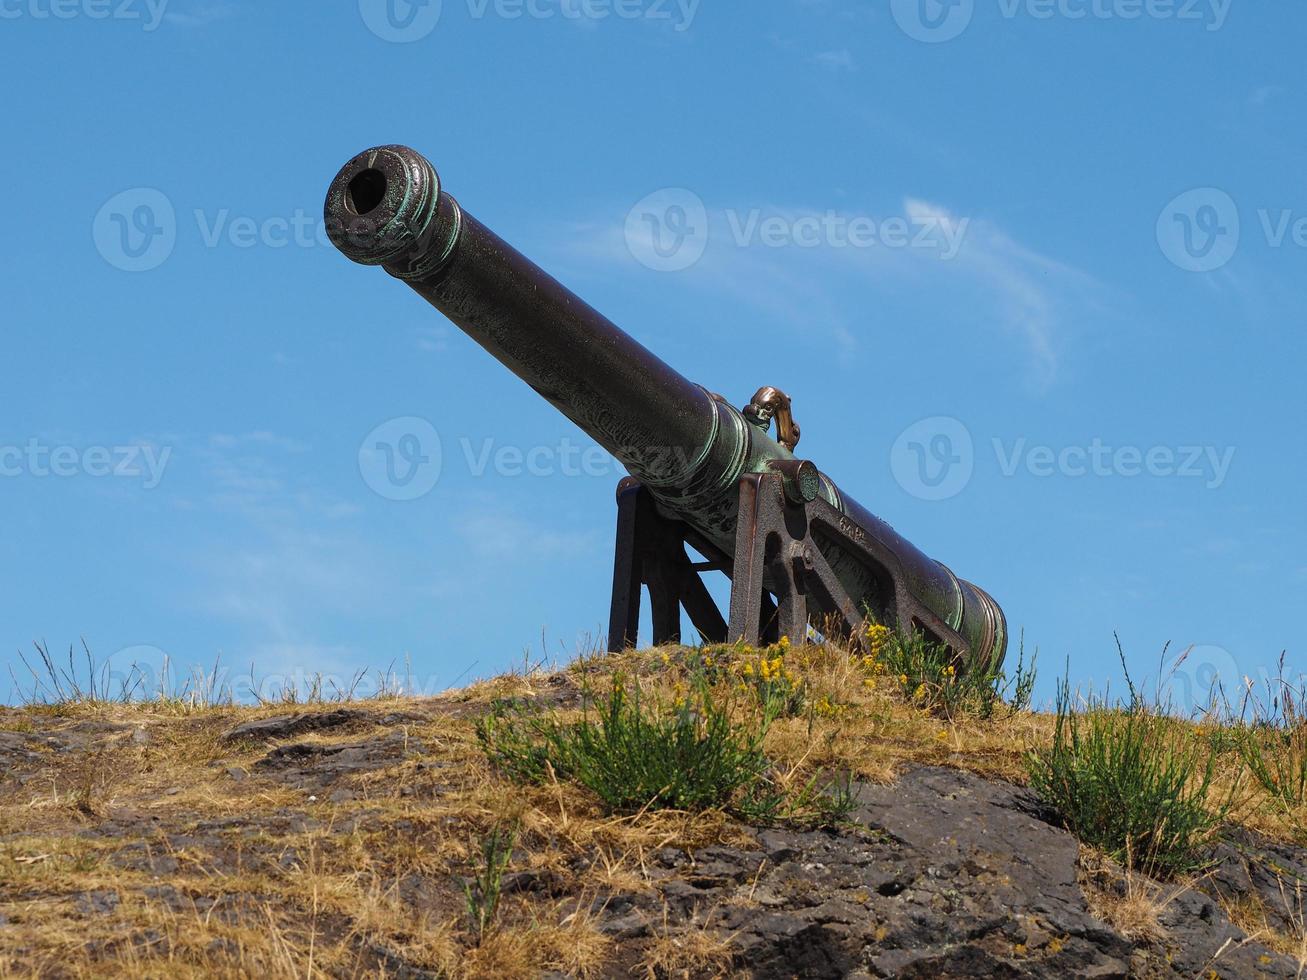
(689,450)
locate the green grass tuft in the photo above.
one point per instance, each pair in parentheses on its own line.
(1133,782)
(481,894)
(702,752)
(931,677)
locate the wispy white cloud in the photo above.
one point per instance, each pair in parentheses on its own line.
(198,14)
(251,474)
(495,537)
(841,60)
(274,556)
(276,586)
(1031,289)
(431,339)
(1028,297)
(1266,93)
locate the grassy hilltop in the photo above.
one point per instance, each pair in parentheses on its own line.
(679,812)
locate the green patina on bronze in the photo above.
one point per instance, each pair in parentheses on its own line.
(689,449)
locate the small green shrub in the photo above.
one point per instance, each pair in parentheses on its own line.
(1131,781)
(1274,746)
(931,677)
(702,752)
(481,894)
(819,803)
(761,674)
(1276,757)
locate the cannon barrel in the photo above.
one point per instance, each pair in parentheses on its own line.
(689,448)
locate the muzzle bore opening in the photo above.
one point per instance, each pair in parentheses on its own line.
(365,192)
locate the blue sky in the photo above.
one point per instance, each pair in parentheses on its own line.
(1030,270)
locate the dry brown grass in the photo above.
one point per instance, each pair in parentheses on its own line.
(290,885)
(141,856)
(1255,916)
(1129,902)
(700,951)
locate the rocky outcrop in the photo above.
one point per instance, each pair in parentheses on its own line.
(943,874)
(946,875)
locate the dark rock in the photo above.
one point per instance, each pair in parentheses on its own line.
(167,896)
(670,857)
(945,875)
(1202,942)
(394,965)
(224,947)
(99,902)
(286,726)
(1249,867)
(137,857)
(633,925)
(16,748)
(312,764)
(535,881)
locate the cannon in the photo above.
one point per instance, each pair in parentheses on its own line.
(798,551)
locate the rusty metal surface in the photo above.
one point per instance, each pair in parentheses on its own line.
(689,449)
(768,403)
